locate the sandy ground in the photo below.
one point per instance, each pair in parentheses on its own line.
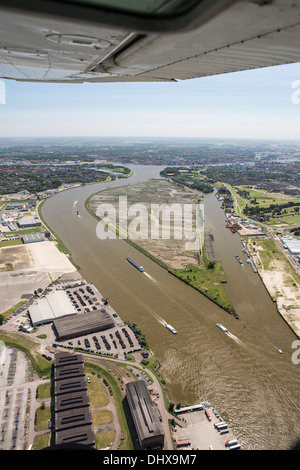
(283,287)
(32,266)
(155,230)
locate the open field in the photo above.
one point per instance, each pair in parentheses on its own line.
(25,268)
(279,277)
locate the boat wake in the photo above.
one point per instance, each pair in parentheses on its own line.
(235,338)
(160,320)
(150,277)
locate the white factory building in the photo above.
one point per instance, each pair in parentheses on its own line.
(47,309)
(292,244)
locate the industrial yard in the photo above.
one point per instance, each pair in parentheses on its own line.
(204,429)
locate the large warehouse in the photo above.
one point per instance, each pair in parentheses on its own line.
(73,420)
(145,416)
(292,244)
(54,305)
(82,324)
(29,222)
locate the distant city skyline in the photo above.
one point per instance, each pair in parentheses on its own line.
(255,104)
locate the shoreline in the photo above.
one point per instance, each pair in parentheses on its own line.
(273,281)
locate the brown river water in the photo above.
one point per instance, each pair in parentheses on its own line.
(255,389)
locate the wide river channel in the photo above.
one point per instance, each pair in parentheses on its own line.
(253,387)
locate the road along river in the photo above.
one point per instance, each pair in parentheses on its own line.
(255,389)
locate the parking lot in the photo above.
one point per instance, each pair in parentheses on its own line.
(201,432)
(15,396)
(117,340)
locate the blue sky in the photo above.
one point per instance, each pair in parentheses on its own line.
(249,104)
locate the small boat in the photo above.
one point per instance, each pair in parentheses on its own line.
(222,327)
(170,328)
(279,350)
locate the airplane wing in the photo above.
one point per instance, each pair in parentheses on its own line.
(144,40)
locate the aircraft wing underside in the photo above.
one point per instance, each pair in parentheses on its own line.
(49,45)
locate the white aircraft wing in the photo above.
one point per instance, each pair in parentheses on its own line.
(146,40)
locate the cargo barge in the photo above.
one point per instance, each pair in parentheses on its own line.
(239,259)
(135,264)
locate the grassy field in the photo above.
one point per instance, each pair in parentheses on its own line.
(16,241)
(11,310)
(28,346)
(208,281)
(288,217)
(103,439)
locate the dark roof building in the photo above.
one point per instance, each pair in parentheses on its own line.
(63,359)
(69,372)
(71,401)
(70,385)
(33,238)
(83,435)
(145,416)
(73,419)
(82,324)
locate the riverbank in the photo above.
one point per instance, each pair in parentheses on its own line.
(280,279)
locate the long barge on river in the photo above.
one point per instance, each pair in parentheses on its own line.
(135,264)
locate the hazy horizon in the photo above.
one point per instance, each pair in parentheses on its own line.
(260,104)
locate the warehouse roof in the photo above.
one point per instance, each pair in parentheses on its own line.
(83,323)
(71,401)
(83,435)
(54,305)
(144,412)
(76,384)
(292,244)
(64,358)
(72,419)
(33,237)
(69,372)
(30,220)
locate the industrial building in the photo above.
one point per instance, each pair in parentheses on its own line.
(145,416)
(73,420)
(82,324)
(33,238)
(55,304)
(28,222)
(292,244)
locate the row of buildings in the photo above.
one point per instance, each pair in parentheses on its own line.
(72,421)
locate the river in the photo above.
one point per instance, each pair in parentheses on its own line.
(255,389)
